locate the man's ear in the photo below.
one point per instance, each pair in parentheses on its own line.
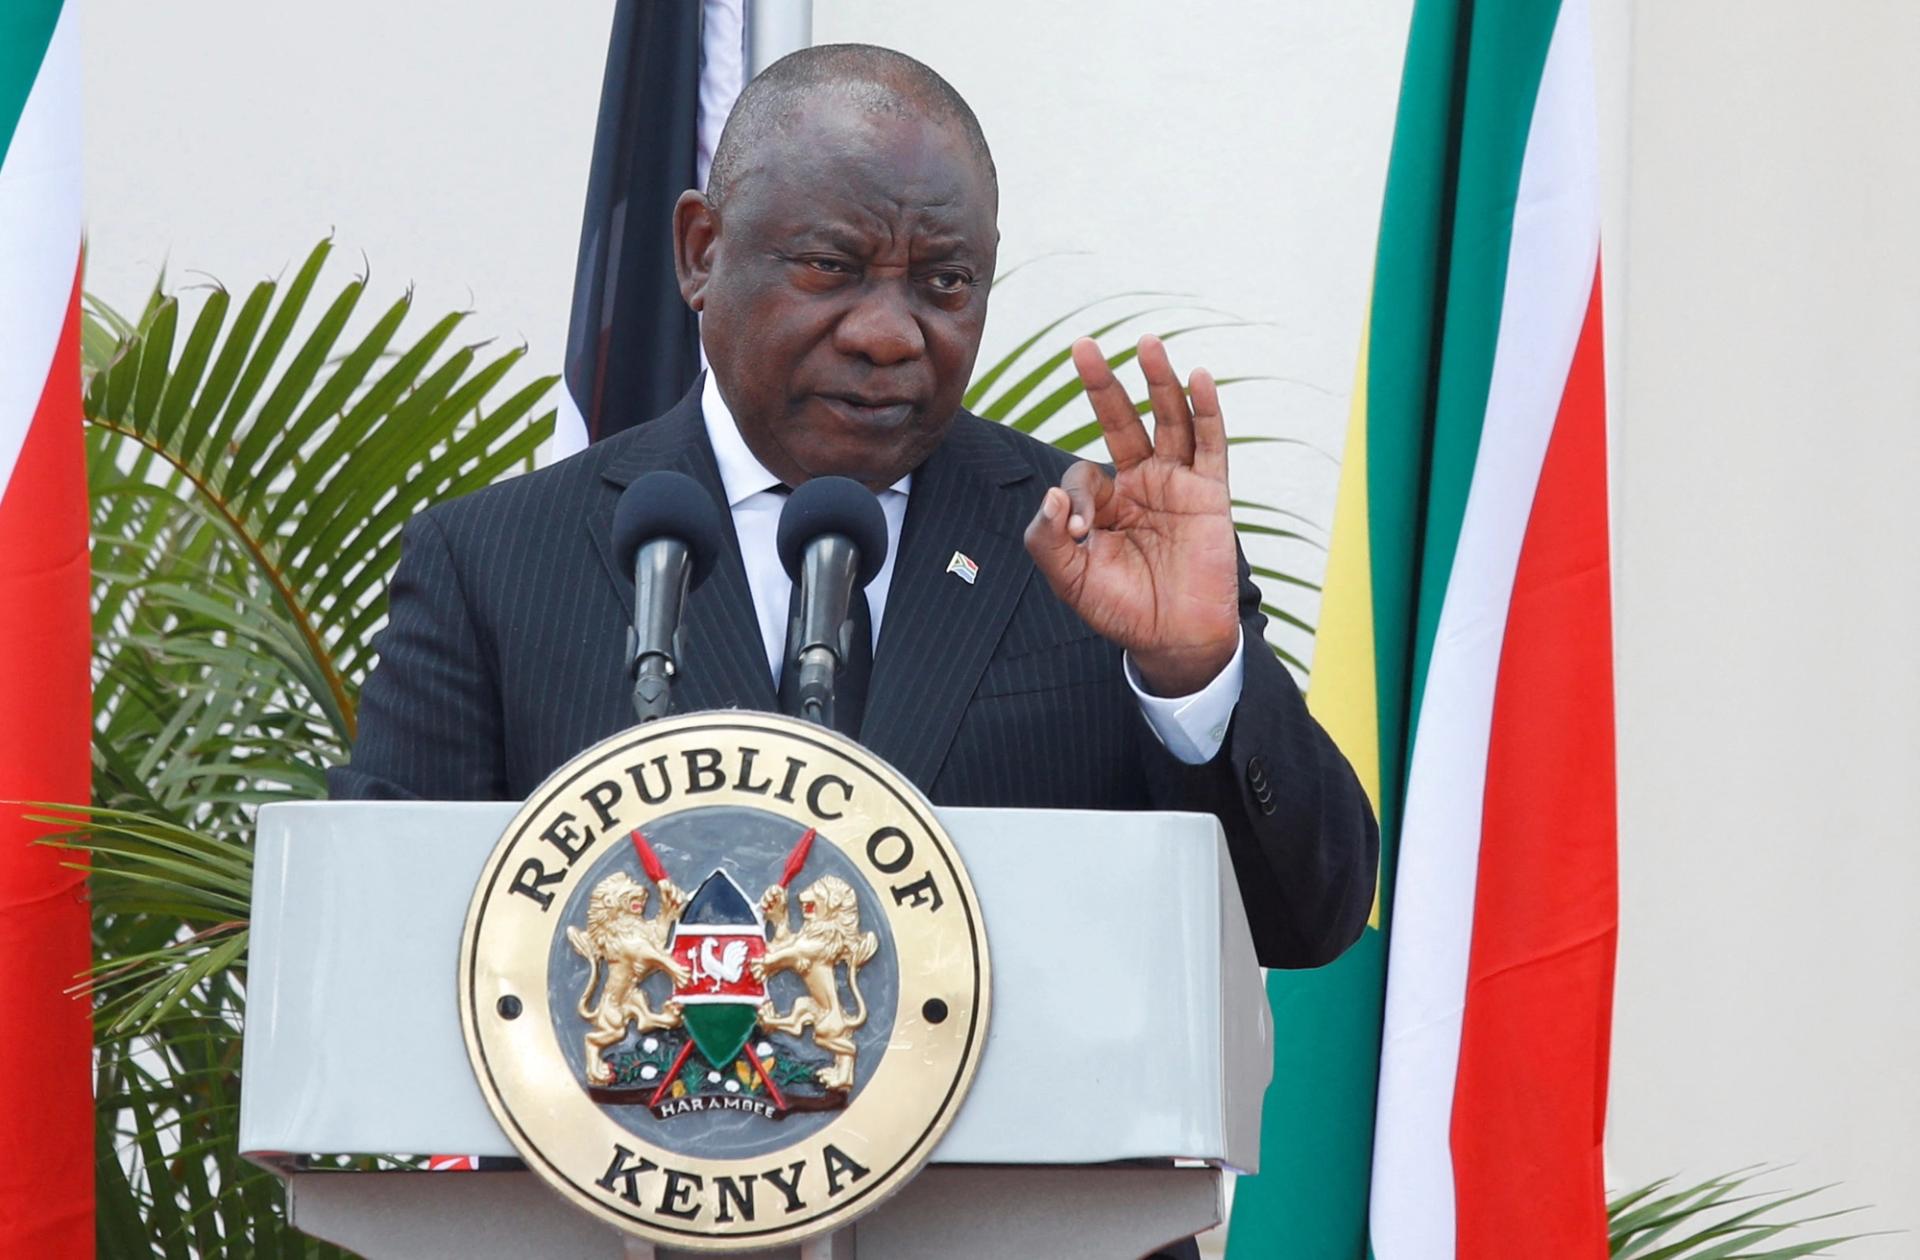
(696,231)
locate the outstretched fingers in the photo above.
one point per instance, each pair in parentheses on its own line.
(1127,439)
(1172,421)
(1209,427)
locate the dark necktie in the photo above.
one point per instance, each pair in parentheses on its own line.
(850,684)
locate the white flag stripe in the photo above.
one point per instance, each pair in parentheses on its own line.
(723,72)
(1550,270)
(569,428)
(39,234)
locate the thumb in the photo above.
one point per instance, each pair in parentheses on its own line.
(1061,560)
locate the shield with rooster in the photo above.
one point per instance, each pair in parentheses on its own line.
(719,937)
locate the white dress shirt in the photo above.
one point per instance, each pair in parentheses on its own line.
(1192,727)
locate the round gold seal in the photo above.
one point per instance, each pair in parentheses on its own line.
(724,981)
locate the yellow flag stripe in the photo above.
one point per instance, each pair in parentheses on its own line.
(1342,692)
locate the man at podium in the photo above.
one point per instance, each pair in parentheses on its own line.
(1045,632)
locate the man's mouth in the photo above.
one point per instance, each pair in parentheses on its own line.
(877,411)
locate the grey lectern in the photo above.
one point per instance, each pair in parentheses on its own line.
(1127,1055)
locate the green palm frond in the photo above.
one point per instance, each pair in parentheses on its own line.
(1715,1220)
(251,463)
(308,460)
(172,903)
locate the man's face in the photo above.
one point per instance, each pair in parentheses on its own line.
(842,289)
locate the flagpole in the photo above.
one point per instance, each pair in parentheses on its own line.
(776,28)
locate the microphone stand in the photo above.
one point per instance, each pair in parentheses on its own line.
(832,541)
(667,527)
(656,568)
(826,577)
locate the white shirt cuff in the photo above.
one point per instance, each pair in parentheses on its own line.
(1193,727)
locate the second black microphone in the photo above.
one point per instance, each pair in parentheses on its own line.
(832,541)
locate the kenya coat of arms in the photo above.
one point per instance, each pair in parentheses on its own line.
(757,1060)
(716,949)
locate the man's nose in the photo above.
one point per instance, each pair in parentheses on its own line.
(880,327)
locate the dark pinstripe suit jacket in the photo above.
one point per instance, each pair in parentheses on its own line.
(503,657)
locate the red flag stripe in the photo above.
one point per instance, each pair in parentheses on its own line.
(46,1133)
(1530,1095)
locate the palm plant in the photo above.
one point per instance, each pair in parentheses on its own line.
(1714,1220)
(250,469)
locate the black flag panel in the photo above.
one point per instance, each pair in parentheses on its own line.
(632,344)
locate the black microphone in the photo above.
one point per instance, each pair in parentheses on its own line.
(832,534)
(667,532)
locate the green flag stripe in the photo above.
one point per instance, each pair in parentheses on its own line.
(1316,1131)
(1473,71)
(26,28)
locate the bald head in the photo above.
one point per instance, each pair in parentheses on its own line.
(862,77)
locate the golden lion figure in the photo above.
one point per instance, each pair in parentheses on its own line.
(633,946)
(829,935)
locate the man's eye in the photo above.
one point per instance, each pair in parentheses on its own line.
(828,266)
(950,281)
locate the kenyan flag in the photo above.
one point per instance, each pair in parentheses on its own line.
(1440,1091)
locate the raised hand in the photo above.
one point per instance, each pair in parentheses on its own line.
(1146,556)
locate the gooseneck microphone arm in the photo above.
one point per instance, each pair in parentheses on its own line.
(666,532)
(832,535)
(661,578)
(827,572)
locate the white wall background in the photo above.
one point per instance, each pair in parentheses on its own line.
(1765,317)
(447,142)
(1769,533)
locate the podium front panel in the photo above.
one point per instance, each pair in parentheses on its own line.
(1128,1018)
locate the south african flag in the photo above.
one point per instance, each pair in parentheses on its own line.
(1441,1090)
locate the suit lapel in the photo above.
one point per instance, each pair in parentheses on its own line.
(939,630)
(724,664)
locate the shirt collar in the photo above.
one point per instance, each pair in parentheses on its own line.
(742,475)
